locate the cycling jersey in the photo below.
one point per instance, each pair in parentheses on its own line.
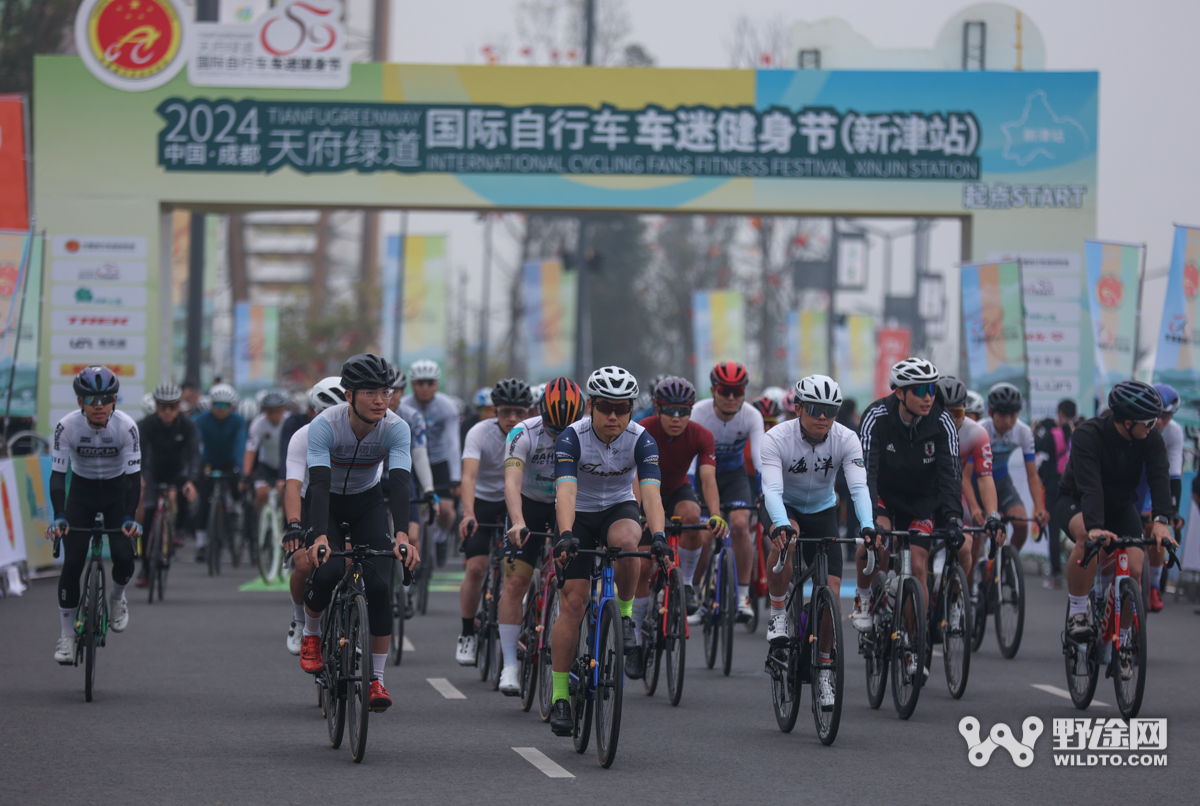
(418,446)
(441,431)
(97,453)
(676,454)
(291,425)
(296,466)
(532,444)
(170,454)
(222,442)
(605,472)
(975,446)
(263,438)
(802,475)
(730,437)
(485,442)
(356,465)
(1173,439)
(1003,445)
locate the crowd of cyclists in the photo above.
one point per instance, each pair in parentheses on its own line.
(561,468)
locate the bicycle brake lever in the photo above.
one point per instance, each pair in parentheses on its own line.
(783,557)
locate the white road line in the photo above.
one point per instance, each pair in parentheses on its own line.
(539,759)
(446,689)
(408,647)
(1062,692)
(937,653)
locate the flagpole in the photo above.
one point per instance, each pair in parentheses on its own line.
(1137,329)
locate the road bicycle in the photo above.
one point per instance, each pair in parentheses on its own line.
(224,527)
(531,658)
(1119,642)
(269,538)
(896,638)
(950,613)
(758,572)
(423,574)
(402,606)
(719,599)
(1000,592)
(488,657)
(665,628)
(91,617)
(160,542)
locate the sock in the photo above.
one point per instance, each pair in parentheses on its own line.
(297,612)
(118,591)
(1078,604)
(468,626)
(688,560)
(864,594)
(312,625)
(778,605)
(1155,576)
(67,615)
(201,538)
(626,606)
(743,593)
(561,682)
(508,643)
(641,606)
(378,662)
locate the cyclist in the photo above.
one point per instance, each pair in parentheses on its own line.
(910,446)
(1007,433)
(222,447)
(734,422)
(1172,434)
(421,479)
(771,411)
(481,409)
(975,453)
(170,455)
(537,390)
(800,460)
(647,396)
(263,440)
(596,462)
(347,446)
(529,494)
(441,438)
(102,448)
(975,407)
(680,442)
(1098,491)
(483,499)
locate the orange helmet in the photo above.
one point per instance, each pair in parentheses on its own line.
(561,403)
(728,373)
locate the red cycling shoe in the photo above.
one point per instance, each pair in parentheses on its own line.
(1156,602)
(310,654)
(379,700)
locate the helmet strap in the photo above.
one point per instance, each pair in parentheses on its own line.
(809,439)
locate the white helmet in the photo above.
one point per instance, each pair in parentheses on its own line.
(223,393)
(538,391)
(424,370)
(911,371)
(326,393)
(975,403)
(776,393)
(203,403)
(248,408)
(149,404)
(818,389)
(612,383)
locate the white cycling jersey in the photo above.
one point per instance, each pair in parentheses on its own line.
(605,472)
(297,458)
(531,443)
(1173,437)
(417,445)
(441,431)
(96,453)
(356,465)
(485,442)
(1003,445)
(731,437)
(802,475)
(263,438)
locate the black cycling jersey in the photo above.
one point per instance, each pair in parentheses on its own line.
(1105,468)
(170,455)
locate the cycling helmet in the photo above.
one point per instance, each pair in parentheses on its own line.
(776,393)
(399,379)
(912,371)
(954,391)
(248,408)
(1170,397)
(326,393)
(149,404)
(612,383)
(1134,400)
(770,408)
(561,404)
(652,387)
(512,392)
(366,371)
(728,373)
(675,391)
(274,398)
(223,393)
(537,392)
(482,397)
(788,404)
(424,370)
(818,389)
(975,404)
(96,380)
(1004,398)
(203,403)
(167,392)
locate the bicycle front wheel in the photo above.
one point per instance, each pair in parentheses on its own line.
(908,648)
(154,556)
(1010,602)
(729,609)
(335,688)
(1083,666)
(496,659)
(425,570)
(709,614)
(545,669)
(828,666)
(1130,659)
(652,641)
(873,646)
(610,683)
(983,588)
(91,628)
(676,636)
(358,672)
(396,643)
(216,525)
(956,654)
(581,704)
(527,646)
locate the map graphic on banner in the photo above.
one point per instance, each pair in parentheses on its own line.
(549,297)
(855,343)
(255,345)
(1178,358)
(12,248)
(424,332)
(993,321)
(718,332)
(1114,279)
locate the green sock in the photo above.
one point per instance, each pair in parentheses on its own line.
(626,606)
(561,681)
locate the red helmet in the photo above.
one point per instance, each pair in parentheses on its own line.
(769,407)
(561,403)
(728,373)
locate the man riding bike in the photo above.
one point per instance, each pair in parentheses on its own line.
(222,447)
(1172,434)
(975,453)
(1007,433)
(263,438)
(441,438)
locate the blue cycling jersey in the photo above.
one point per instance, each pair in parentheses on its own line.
(222,442)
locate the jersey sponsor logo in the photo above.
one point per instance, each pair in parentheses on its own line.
(594,470)
(58,429)
(858,462)
(97,452)
(891,447)
(929,448)
(799,466)
(85,440)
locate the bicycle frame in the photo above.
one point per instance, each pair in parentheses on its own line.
(673,529)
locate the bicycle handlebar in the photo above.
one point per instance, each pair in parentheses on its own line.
(611,552)
(679,528)
(858,541)
(1091,548)
(360,553)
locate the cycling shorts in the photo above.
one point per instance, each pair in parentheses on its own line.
(670,501)
(902,520)
(1007,496)
(265,476)
(1122,520)
(480,541)
(441,478)
(734,489)
(591,529)
(818,524)
(539,517)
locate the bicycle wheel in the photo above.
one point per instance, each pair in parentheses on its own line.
(396,641)
(545,669)
(497,659)
(154,555)
(425,570)
(1132,654)
(710,615)
(216,524)
(91,628)
(235,535)
(527,646)
(483,630)
(979,614)
(610,684)
(752,624)
(676,637)
(956,654)
(358,673)
(269,547)
(581,704)
(1083,666)
(826,618)
(908,648)
(335,688)
(729,608)
(1010,602)
(785,684)
(873,646)
(168,553)
(652,641)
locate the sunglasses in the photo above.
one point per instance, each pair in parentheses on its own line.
(510,411)
(425,383)
(1147,423)
(819,410)
(725,390)
(99,400)
(222,406)
(675,411)
(608,408)
(922,389)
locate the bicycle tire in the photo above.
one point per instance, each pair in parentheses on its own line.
(358,665)
(269,547)
(496,661)
(825,610)
(956,650)
(154,555)
(425,569)
(729,609)
(1083,666)
(1129,692)
(983,588)
(610,684)
(752,624)
(652,642)
(168,552)
(710,613)
(483,654)
(335,696)
(906,688)
(216,523)
(783,663)
(1010,603)
(527,647)
(874,646)
(581,704)
(236,539)
(396,638)
(675,643)
(550,606)
(91,628)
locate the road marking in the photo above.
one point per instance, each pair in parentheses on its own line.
(1062,692)
(408,647)
(446,688)
(539,759)
(937,653)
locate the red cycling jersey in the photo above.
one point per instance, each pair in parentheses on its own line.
(675,454)
(975,446)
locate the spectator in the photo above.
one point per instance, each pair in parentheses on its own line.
(1052,443)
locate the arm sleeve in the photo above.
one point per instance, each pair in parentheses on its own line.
(147,454)
(133,493)
(856,481)
(772,480)
(1173,437)
(1027,449)
(1085,464)
(756,437)
(420,463)
(58,493)
(516,444)
(254,433)
(645,455)
(1158,475)
(398,456)
(320,439)
(398,480)
(131,454)
(949,470)
(296,465)
(60,451)
(473,445)
(453,443)
(566,456)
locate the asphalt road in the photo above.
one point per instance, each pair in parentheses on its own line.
(198,702)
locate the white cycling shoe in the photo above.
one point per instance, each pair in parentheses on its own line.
(465,654)
(118,614)
(295,633)
(510,683)
(860,616)
(777,629)
(64,650)
(745,612)
(825,697)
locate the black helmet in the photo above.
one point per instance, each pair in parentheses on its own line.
(1134,400)
(399,379)
(365,371)
(512,392)
(675,391)
(954,391)
(96,381)
(1004,398)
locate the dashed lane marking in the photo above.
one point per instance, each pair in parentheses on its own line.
(444,687)
(408,647)
(1062,692)
(540,760)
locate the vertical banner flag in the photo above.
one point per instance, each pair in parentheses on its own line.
(856,359)
(24,345)
(894,343)
(14,200)
(718,330)
(392,294)
(1114,275)
(808,335)
(549,297)
(993,320)
(425,318)
(255,345)
(1177,361)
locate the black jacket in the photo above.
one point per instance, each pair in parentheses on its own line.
(913,469)
(169,455)
(1104,471)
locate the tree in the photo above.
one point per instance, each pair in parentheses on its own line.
(759,43)
(29,27)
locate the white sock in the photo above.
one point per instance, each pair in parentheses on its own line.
(640,607)
(312,625)
(778,606)
(508,643)
(297,612)
(67,615)
(118,591)
(688,560)
(743,593)
(201,538)
(1155,576)
(1078,604)
(378,662)
(864,594)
